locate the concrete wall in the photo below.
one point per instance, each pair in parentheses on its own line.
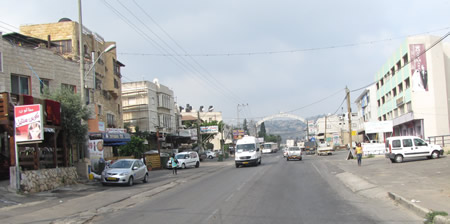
(47,179)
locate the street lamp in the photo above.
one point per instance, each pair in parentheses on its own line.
(108,49)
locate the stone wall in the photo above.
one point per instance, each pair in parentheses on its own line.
(47,179)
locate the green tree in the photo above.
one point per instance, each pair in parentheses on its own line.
(73,116)
(262,131)
(135,147)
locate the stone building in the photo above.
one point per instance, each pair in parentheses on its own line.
(27,65)
(103,84)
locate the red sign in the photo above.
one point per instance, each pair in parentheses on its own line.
(28,123)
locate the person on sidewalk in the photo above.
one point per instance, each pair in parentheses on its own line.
(359,152)
(174,163)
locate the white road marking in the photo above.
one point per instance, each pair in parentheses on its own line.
(212,215)
(229,197)
(317,169)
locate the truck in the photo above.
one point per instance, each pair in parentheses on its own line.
(324,149)
(270,147)
(310,147)
(247,151)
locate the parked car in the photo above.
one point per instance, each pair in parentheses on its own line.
(210,154)
(186,159)
(294,152)
(125,171)
(285,152)
(400,147)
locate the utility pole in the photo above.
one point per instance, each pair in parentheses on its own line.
(307,130)
(349,110)
(81,50)
(325,132)
(199,135)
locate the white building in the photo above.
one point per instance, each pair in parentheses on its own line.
(149,105)
(207,116)
(367,112)
(412,88)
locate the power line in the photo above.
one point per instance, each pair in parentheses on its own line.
(316,102)
(286,51)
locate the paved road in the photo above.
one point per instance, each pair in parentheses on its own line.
(278,191)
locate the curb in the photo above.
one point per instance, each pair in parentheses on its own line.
(417,209)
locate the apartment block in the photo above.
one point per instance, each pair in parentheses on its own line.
(103,83)
(412,88)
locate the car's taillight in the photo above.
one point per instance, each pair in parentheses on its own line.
(390,148)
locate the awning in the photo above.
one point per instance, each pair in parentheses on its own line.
(111,138)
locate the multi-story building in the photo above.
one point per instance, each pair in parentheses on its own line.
(103,84)
(206,116)
(149,106)
(412,88)
(336,128)
(367,112)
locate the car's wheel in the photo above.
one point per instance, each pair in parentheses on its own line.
(210,157)
(398,158)
(145,180)
(130,181)
(435,154)
(183,166)
(197,165)
(392,160)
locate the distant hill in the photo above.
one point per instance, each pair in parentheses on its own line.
(288,128)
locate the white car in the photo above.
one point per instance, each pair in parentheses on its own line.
(401,147)
(186,159)
(210,154)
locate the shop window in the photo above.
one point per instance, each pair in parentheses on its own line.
(20,84)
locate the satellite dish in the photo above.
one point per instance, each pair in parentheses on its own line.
(210,109)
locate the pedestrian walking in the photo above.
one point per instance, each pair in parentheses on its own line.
(174,163)
(359,152)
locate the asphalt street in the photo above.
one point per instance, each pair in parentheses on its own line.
(278,191)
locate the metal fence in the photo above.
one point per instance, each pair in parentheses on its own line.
(442,140)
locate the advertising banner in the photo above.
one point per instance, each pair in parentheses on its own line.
(95,152)
(209,129)
(28,123)
(378,126)
(311,128)
(238,134)
(419,71)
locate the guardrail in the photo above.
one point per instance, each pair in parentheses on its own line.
(442,140)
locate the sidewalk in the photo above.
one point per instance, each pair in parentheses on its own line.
(422,185)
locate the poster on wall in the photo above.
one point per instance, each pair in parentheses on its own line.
(419,71)
(28,123)
(95,153)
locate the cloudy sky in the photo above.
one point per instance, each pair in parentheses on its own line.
(272,56)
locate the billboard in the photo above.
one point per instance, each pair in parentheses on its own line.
(419,71)
(311,128)
(28,123)
(95,153)
(238,134)
(209,129)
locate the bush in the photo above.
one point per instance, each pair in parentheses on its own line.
(430,216)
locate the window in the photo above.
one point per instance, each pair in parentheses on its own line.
(43,85)
(70,87)
(399,65)
(393,71)
(408,107)
(407,83)
(419,142)
(382,82)
(118,108)
(407,143)
(1,62)
(20,84)
(116,84)
(378,86)
(396,144)
(382,100)
(400,87)
(65,46)
(394,92)
(110,120)
(405,59)
(378,101)
(98,84)
(99,108)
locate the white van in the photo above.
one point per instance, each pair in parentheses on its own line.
(247,151)
(401,147)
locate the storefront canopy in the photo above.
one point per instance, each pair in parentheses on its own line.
(111,138)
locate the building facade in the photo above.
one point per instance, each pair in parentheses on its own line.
(103,84)
(412,88)
(149,106)
(367,112)
(207,116)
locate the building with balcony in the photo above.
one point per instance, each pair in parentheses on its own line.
(103,84)
(412,88)
(367,112)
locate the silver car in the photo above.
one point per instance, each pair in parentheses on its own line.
(125,171)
